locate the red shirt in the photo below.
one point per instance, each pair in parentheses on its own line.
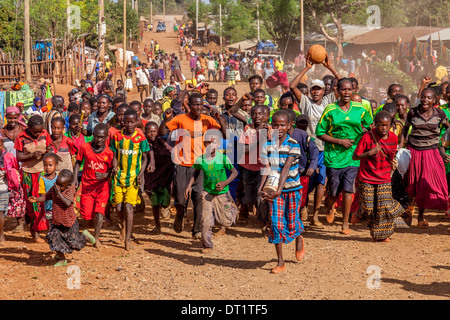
(94,162)
(61,214)
(376,169)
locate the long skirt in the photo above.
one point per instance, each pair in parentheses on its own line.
(379,208)
(129,84)
(65,239)
(30,183)
(17,203)
(425,179)
(285,214)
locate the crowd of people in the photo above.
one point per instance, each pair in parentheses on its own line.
(251,156)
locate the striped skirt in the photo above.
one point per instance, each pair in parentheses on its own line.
(285,213)
(379,208)
(30,183)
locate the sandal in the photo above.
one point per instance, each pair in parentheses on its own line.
(423,224)
(60,263)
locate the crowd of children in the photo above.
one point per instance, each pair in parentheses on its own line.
(251,155)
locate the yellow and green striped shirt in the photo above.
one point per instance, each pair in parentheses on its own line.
(129,151)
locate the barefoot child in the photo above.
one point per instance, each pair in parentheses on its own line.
(157,183)
(281,154)
(97,158)
(64,236)
(46,180)
(60,144)
(376,151)
(130,162)
(217,203)
(31,145)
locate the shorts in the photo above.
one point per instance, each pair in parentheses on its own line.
(342,179)
(142,88)
(318,178)
(231,83)
(94,199)
(127,195)
(160,196)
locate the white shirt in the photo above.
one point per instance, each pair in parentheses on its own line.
(314,112)
(143,79)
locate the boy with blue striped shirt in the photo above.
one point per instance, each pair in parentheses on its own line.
(282,155)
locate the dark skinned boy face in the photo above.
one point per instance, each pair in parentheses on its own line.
(130,123)
(196,107)
(282,124)
(99,139)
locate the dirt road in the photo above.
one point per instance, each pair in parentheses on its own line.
(170,266)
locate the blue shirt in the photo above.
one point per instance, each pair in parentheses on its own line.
(94,121)
(276,155)
(309,150)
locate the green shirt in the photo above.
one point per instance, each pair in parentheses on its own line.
(214,171)
(342,125)
(445,108)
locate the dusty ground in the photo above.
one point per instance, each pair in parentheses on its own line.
(170,266)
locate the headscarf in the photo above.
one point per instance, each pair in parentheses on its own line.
(167,90)
(34,107)
(12,109)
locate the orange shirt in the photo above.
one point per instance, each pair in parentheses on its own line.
(189,140)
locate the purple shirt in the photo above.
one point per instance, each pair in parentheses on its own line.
(193,62)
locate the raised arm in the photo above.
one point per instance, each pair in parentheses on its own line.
(293,86)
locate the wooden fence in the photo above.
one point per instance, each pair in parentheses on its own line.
(60,66)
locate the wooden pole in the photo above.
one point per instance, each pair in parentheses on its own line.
(220,22)
(257,21)
(101,20)
(124,35)
(302,45)
(27,43)
(196,20)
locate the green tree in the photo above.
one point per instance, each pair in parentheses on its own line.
(11,26)
(279,17)
(238,21)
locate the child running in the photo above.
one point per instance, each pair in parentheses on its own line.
(157,183)
(31,145)
(130,162)
(64,236)
(376,151)
(97,158)
(46,180)
(281,154)
(217,203)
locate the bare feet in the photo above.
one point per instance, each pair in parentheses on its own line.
(156,230)
(98,244)
(278,269)
(206,250)
(346,231)
(128,246)
(382,240)
(221,231)
(299,248)
(18,229)
(330,215)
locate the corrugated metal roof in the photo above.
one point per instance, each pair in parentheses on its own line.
(443,34)
(243,45)
(391,35)
(350,31)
